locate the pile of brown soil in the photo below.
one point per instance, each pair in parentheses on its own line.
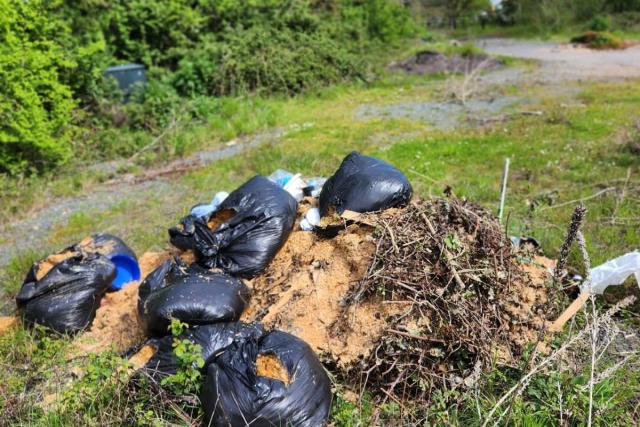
(303,289)
(431,62)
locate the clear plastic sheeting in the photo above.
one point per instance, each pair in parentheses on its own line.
(612,273)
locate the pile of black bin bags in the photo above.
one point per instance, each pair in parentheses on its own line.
(211,303)
(210,296)
(66,298)
(263,215)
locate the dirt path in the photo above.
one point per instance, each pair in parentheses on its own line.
(568,62)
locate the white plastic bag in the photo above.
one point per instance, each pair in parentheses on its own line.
(613,272)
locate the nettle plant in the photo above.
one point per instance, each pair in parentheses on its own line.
(187,379)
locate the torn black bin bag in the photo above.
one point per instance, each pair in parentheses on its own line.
(235,394)
(105,244)
(364,184)
(190,294)
(67,297)
(246,243)
(100,243)
(212,339)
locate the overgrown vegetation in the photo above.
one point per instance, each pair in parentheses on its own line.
(189,356)
(35,102)
(54,52)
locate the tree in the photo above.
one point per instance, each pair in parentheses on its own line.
(35,106)
(454,10)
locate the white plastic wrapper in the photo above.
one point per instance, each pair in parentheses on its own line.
(311,219)
(206,209)
(613,273)
(295,187)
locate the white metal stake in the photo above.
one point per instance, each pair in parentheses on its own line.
(503,193)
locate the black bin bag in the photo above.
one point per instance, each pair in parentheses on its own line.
(234,394)
(105,244)
(212,339)
(66,298)
(364,184)
(243,245)
(190,294)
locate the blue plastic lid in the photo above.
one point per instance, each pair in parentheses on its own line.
(127,270)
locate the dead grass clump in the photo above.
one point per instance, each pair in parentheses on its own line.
(466,300)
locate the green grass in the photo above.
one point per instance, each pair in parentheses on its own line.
(573,151)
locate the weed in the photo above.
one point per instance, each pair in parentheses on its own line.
(187,379)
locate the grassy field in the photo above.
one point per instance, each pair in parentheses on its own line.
(582,146)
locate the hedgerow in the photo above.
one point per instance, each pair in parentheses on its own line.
(53,54)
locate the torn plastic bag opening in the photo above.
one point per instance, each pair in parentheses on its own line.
(364,184)
(67,297)
(272,381)
(244,244)
(190,294)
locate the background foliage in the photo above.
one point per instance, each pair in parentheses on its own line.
(53,53)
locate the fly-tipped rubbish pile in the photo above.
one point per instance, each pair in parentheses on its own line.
(465,298)
(392,296)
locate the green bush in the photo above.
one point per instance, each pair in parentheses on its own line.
(35,105)
(265,60)
(599,23)
(53,54)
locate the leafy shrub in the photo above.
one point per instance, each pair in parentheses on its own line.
(265,60)
(53,54)
(187,379)
(35,105)
(599,23)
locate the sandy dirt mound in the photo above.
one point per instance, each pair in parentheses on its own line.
(302,291)
(7,323)
(116,323)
